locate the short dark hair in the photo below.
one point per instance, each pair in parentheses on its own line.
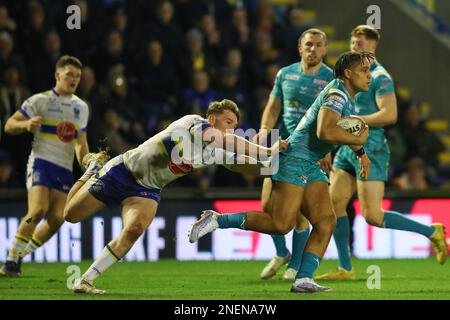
(69,60)
(366,30)
(218,107)
(348,60)
(312,31)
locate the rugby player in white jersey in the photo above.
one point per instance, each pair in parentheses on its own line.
(134,179)
(58,120)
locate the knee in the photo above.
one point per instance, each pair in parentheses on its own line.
(55,222)
(283,227)
(326,224)
(69,215)
(373,217)
(38,213)
(133,232)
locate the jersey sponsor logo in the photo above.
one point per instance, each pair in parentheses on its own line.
(55,109)
(335,101)
(292,76)
(320,82)
(66,131)
(180,168)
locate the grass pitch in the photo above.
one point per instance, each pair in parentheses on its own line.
(230,280)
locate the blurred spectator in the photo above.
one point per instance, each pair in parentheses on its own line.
(121,109)
(6,23)
(91,93)
(77,41)
(7,178)
(229,89)
(196,58)
(164,28)
(233,60)
(268,23)
(215,44)
(41,75)
(415,176)
(158,83)
(264,55)
(32,36)
(238,35)
(111,53)
(12,95)
(199,96)
(420,142)
(292,32)
(8,58)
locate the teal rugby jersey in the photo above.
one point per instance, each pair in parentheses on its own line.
(304,143)
(365,102)
(297,91)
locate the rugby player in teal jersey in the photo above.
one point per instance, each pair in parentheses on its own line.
(378,108)
(295,89)
(299,175)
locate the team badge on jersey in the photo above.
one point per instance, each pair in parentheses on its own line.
(181,168)
(66,131)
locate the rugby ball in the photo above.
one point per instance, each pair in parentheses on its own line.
(352,124)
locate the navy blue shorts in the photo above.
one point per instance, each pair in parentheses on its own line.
(113,183)
(44,173)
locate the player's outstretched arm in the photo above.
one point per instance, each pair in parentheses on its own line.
(18,124)
(329,131)
(241,146)
(248,165)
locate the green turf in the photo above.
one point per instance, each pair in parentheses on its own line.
(169,279)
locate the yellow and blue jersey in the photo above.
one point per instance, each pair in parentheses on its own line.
(63,119)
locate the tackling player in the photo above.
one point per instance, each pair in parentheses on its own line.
(299,182)
(134,180)
(295,89)
(378,108)
(58,120)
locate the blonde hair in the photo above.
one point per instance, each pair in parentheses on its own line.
(218,107)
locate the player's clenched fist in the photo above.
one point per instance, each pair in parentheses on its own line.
(34,124)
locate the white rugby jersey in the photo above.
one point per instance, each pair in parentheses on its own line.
(172,153)
(64,118)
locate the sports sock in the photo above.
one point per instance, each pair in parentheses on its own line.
(232,220)
(32,245)
(280,246)
(18,248)
(310,262)
(105,260)
(398,221)
(299,239)
(341,237)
